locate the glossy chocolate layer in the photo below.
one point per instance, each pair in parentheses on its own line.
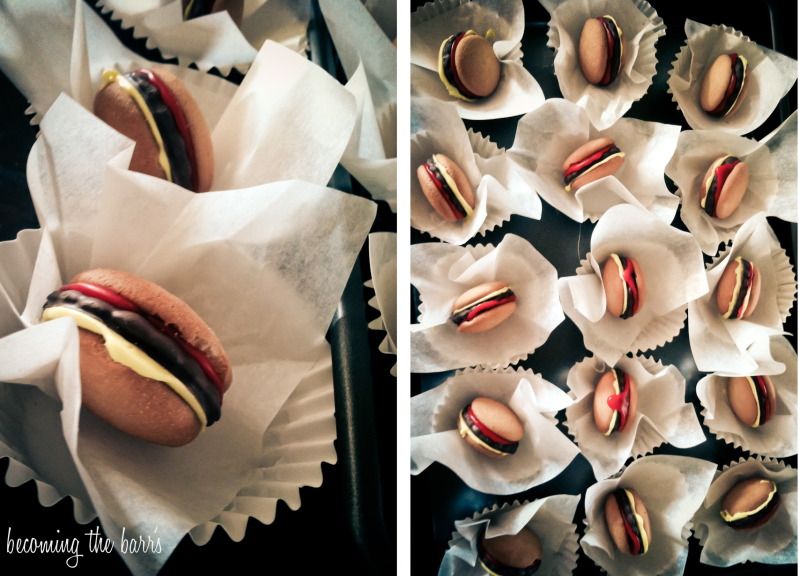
(734,87)
(494,566)
(483,305)
(197,8)
(173,141)
(479,430)
(717,183)
(761,392)
(630,525)
(614,59)
(447,56)
(441,183)
(747,279)
(759,517)
(579,168)
(137,330)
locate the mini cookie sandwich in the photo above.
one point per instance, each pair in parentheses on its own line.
(446,187)
(615,401)
(591,161)
(628,521)
(155,110)
(483,307)
(467,66)
(601,50)
(738,291)
(750,503)
(149,365)
(753,399)
(723,84)
(624,286)
(196,8)
(724,186)
(510,555)
(490,427)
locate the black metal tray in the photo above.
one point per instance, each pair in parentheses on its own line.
(355,506)
(438,496)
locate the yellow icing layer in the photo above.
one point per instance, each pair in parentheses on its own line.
(614,414)
(727,517)
(187,10)
(452,186)
(739,273)
(639,520)
(110,76)
(487,569)
(130,356)
(568,186)
(709,179)
(486,297)
(743,80)
(753,388)
(452,90)
(463,430)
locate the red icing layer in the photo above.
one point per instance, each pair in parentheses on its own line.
(180,119)
(119,301)
(632,537)
(488,305)
(440,187)
(579,165)
(611,45)
(721,108)
(621,402)
(632,285)
(722,172)
(488,433)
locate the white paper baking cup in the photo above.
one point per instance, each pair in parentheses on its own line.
(499,189)
(442,272)
(641,27)
(383,266)
(551,519)
(769,76)
(546,136)
(517,92)
(777,437)
(772,543)
(720,345)
(672,488)
(663,415)
(673,269)
(772,179)
(215,40)
(543,453)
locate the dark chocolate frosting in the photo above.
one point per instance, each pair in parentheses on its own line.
(606,153)
(712,196)
(761,391)
(747,278)
(507,448)
(614,60)
(460,316)
(197,8)
(174,145)
(137,330)
(628,517)
(442,185)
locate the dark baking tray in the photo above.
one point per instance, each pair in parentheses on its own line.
(438,496)
(351,517)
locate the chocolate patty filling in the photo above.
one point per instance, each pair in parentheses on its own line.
(712,195)
(630,525)
(614,62)
(441,184)
(137,330)
(606,153)
(496,567)
(747,279)
(504,297)
(197,8)
(475,428)
(758,518)
(174,145)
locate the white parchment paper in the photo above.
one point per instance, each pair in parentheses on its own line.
(777,437)
(641,27)
(720,345)
(215,40)
(662,415)
(543,453)
(772,543)
(550,518)
(442,273)
(772,179)
(500,190)
(672,488)
(768,78)
(546,136)
(673,269)
(284,250)
(517,92)
(383,265)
